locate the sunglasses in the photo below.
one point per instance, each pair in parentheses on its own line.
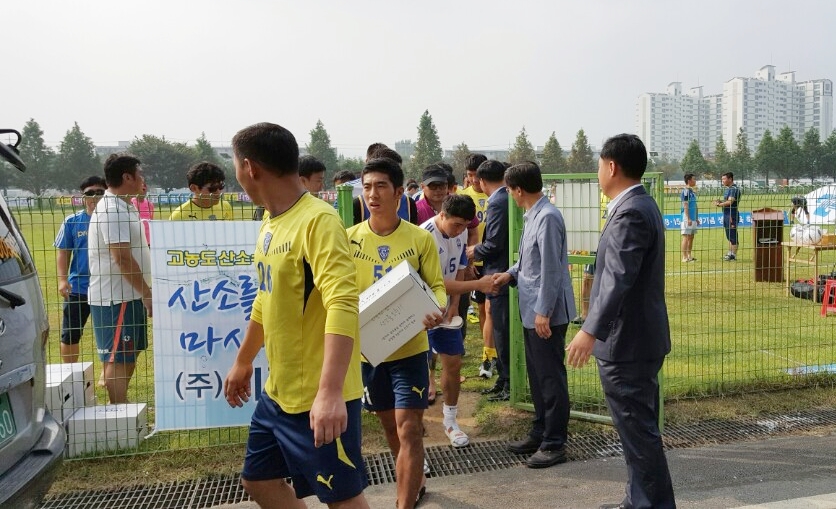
(215,187)
(94,192)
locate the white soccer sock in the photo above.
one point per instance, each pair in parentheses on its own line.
(450,413)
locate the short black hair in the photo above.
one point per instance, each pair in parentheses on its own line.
(412,185)
(687,177)
(308,165)
(459,205)
(728,174)
(204,173)
(628,152)
(526,176)
(473,161)
(491,171)
(387,152)
(117,165)
(387,166)
(374,147)
(270,145)
(343,176)
(93,180)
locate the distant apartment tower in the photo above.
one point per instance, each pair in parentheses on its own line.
(668,122)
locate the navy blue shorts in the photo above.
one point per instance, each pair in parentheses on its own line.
(730,226)
(397,384)
(120,331)
(446,341)
(281,445)
(75,314)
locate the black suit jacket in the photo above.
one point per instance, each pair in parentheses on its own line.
(627,311)
(493,251)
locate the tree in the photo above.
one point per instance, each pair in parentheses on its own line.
(580,156)
(827,166)
(320,147)
(694,162)
(165,163)
(522,150)
(723,161)
(553,160)
(742,159)
(39,159)
(76,160)
(789,154)
(460,158)
(811,154)
(768,158)
(352,164)
(428,147)
(204,151)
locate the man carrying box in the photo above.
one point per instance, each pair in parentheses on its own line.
(396,389)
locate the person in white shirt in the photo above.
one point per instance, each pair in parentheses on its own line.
(120,275)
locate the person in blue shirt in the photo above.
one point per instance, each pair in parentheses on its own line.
(731,216)
(73,272)
(690,218)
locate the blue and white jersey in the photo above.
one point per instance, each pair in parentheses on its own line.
(72,236)
(451,250)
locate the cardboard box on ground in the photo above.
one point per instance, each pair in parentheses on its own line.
(392,312)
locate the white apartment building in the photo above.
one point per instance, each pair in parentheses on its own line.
(668,122)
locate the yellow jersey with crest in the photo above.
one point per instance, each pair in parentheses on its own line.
(375,255)
(306,289)
(481,201)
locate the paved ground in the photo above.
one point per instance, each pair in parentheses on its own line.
(776,473)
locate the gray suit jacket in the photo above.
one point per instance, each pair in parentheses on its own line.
(627,311)
(542,271)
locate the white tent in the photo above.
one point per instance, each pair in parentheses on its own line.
(822,205)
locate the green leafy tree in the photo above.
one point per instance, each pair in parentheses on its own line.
(743,163)
(668,167)
(827,165)
(789,154)
(204,151)
(580,155)
(427,148)
(165,163)
(553,160)
(459,159)
(522,150)
(76,160)
(811,154)
(320,147)
(768,157)
(723,160)
(39,159)
(694,162)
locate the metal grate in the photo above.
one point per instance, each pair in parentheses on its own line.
(445,461)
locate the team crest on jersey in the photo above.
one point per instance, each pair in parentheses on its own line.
(383,251)
(267,238)
(458,243)
(482,202)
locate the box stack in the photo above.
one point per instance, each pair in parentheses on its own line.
(96,429)
(82,392)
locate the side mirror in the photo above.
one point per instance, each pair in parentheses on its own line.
(9,151)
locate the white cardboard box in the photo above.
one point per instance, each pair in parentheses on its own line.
(106,428)
(59,394)
(83,392)
(392,312)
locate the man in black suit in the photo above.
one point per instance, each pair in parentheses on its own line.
(627,326)
(493,251)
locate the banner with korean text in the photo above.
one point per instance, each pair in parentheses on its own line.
(203,286)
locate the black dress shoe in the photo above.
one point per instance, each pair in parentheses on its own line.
(543,458)
(612,506)
(527,446)
(503,395)
(496,389)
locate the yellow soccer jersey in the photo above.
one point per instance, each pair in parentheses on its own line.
(374,256)
(481,201)
(191,212)
(306,290)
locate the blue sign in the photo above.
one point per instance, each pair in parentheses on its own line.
(710,220)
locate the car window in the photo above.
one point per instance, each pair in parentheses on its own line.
(15,260)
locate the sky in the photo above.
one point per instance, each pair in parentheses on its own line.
(368,69)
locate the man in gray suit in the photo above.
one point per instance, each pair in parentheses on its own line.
(627,326)
(546,301)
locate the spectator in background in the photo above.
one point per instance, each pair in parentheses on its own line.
(146,210)
(412,188)
(73,270)
(120,275)
(206,182)
(690,217)
(343,177)
(312,174)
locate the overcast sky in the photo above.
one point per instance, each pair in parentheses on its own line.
(368,69)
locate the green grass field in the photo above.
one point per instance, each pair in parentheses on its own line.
(730,334)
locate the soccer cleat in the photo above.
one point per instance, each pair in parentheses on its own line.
(485,370)
(729,258)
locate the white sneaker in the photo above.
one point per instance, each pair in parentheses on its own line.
(458,438)
(485,370)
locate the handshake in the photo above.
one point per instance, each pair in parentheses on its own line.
(493,283)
